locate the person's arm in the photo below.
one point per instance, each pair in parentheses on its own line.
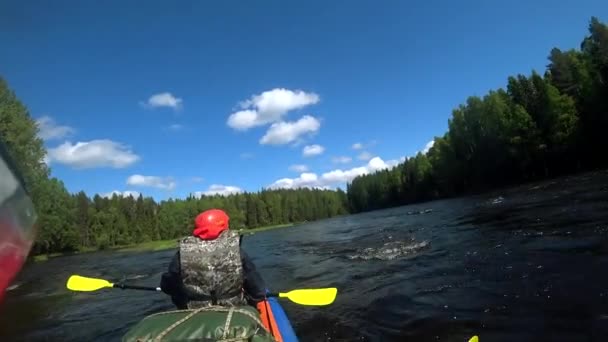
(253,284)
(169,280)
(171,283)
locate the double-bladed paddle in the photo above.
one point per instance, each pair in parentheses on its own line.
(317,297)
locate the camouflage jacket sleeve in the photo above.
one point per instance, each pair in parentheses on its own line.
(254,285)
(170,283)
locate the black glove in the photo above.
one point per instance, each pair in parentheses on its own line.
(167,284)
(170,281)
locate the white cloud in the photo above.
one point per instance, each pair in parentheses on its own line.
(247,155)
(165,183)
(48,129)
(279,101)
(163,100)
(218,189)
(342,176)
(341,160)
(93,154)
(306,180)
(428,146)
(127,193)
(269,107)
(365,156)
(359,146)
(176,127)
(333,178)
(312,150)
(244,120)
(281,133)
(298,168)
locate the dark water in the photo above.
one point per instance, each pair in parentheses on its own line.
(523,264)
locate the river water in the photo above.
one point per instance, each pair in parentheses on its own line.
(521,264)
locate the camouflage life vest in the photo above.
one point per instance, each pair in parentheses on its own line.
(212,270)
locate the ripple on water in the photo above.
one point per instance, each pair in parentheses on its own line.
(389,250)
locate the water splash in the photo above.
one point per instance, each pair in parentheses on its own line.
(497,200)
(389,250)
(419,212)
(136,276)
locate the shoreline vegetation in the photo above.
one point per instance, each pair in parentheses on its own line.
(153,246)
(540,126)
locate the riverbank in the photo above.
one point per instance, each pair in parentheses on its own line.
(151,246)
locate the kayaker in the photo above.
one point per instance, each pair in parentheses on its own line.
(210,268)
(17,222)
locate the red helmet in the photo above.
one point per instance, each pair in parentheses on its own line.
(209,224)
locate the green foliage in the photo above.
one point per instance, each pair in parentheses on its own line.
(19,132)
(77,222)
(540,126)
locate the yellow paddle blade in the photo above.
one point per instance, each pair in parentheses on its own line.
(474,339)
(312,296)
(78,283)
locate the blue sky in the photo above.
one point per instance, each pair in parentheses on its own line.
(171,98)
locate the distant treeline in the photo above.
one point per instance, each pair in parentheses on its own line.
(72,222)
(539,126)
(80,222)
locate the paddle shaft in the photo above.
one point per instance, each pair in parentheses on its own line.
(134,287)
(149,288)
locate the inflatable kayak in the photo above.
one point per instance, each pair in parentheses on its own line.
(275,320)
(241,323)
